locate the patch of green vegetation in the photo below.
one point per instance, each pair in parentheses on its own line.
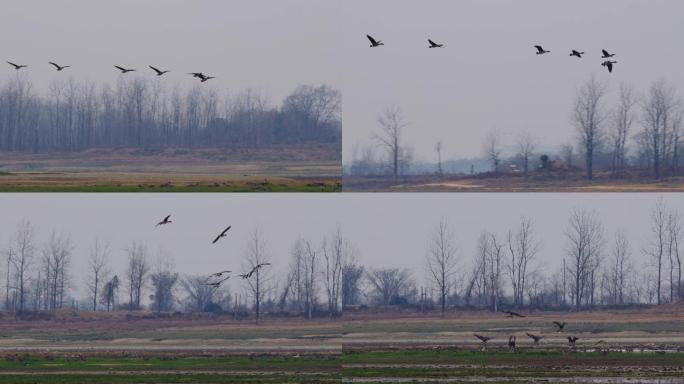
(502,357)
(264,363)
(165,378)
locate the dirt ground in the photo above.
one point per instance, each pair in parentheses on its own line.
(282,168)
(573,183)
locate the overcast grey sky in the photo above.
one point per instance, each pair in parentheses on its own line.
(488,74)
(268,44)
(389,230)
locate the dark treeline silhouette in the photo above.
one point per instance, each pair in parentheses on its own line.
(142,113)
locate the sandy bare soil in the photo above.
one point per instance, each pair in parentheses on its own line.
(512,184)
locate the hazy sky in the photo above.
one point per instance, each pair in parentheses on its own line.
(389,230)
(268,44)
(488,74)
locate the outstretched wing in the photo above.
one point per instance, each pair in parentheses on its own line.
(432,43)
(120,68)
(156,70)
(372,40)
(605,53)
(56,66)
(539,48)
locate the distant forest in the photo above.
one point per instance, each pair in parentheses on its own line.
(139,113)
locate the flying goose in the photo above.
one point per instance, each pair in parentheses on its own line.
(17,66)
(374,43)
(219,274)
(609,64)
(434,45)
(560,325)
(205,78)
(222,234)
(217,284)
(123,70)
(540,50)
(606,55)
(576,53)
(159,73)
(59,67)
(572,340)
(164,221)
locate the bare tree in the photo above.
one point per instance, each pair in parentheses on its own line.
(441,261)
(22,262)
(110,293)
(589,117)
(136,273)
(492,148)
(257,254)
(522,249)
(389,283)
(494,264)
(622,122)
(585,243)
(55,262)
(568,154)
(674,234)
(164,281)
(335,253)
(526,146)
(198,294)
(97,264)
(657,248)
(438,149)
(351,279)
(661,124)
(310,281)
(392,124)
(620,268)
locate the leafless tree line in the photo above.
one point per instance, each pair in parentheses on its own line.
(324,276)
(639,134)
(143,113)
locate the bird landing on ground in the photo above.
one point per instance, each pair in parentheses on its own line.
(434,45)
(560,325)
(513,314)
(536,338)
(374,43)
(540,50)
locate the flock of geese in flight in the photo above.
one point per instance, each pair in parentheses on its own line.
(536,338)
(199,75)
(540,51)
(216,279)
